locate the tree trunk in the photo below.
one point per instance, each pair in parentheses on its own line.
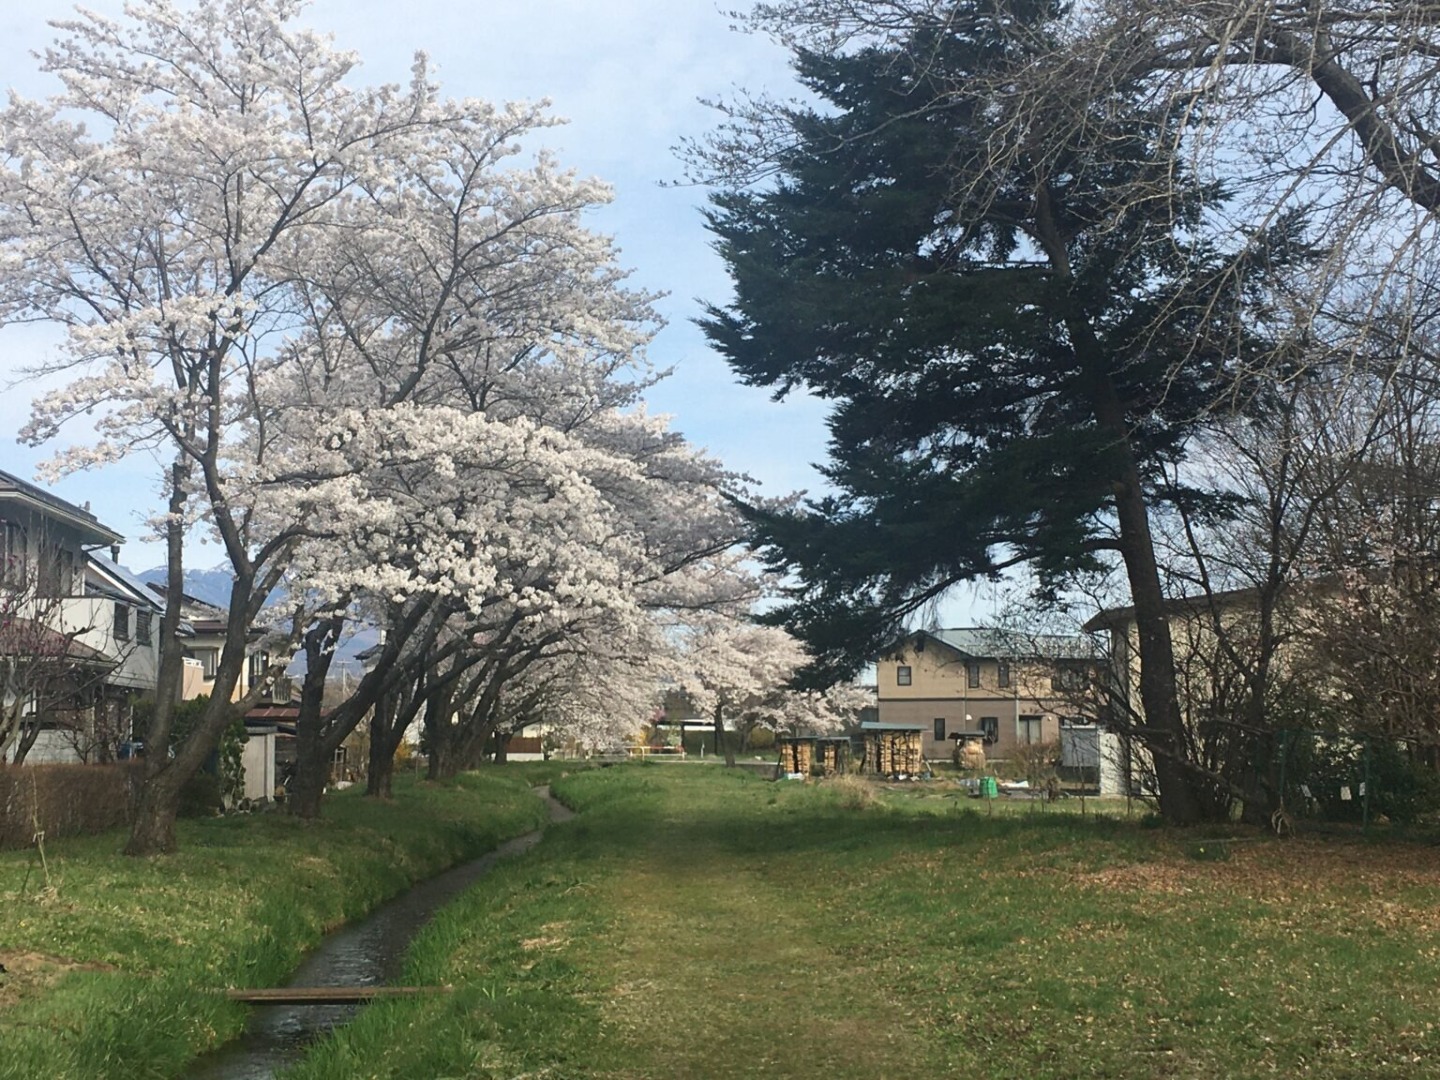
(1163,730)
(722,744)
(379,783)
(158,803)
(436,760)
(388,724)
(381,766)
(28,736)
(307,786)
(1260,781)
(156,810)
(502,747)
(312,750)
(441,732)
(467,751)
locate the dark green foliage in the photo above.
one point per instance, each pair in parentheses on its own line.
(1007,331)
(1401,789)
(200,797)
(223,778)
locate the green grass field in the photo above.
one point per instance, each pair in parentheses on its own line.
(699,923)
(109,960)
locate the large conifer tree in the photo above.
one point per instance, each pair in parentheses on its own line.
(1016,337)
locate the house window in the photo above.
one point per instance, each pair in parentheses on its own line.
(939,729)
(12,553)
(57,572)
(1068,678)
(1028,729)
(990,728)
(208,658)
(973,670)
(1003,673)
(142,627)
(122,622)
(902,675)
(259,661)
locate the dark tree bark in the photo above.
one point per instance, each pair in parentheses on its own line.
(386,732)
(313,751)
(722,744)
(158,803)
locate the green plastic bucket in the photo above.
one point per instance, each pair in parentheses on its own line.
(989,789)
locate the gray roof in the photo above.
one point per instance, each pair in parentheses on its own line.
(139,591)
(12,488)
(1189,606)
(989,643)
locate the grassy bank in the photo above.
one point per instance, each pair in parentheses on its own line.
(108,958)
(694,923)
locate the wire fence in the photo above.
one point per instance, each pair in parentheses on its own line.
(1353,778)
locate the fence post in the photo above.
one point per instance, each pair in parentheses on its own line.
(1284,754)
(1365,810)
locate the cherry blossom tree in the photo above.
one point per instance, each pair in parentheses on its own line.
(210,210)
(728,665)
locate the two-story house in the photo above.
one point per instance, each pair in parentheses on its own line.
(203,629)
(78,634)
(1006,688)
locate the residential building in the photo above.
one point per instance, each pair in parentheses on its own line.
(1216,642)
(1006,688)
(80,636)
(203,630)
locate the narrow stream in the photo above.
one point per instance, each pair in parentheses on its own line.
(367,953)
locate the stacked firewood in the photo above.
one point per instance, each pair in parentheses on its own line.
(795,755)
(895,753)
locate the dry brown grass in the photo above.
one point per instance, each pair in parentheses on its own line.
(853,792)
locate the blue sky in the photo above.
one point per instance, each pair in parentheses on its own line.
(627,75)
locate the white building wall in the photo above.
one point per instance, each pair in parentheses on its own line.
(53,748)
(257,759)
(92,620)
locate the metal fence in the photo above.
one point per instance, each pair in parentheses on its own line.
(1353,778)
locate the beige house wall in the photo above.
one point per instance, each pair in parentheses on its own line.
(1007,711)
(192,680)
(939,689)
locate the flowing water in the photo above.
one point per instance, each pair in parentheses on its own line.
(367,953)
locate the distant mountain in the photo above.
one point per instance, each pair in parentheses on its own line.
(213,587)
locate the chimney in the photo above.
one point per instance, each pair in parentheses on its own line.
(115,553)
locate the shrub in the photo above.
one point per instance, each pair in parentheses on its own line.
(1403,790)
(853,792)
(64,800)
(201,796)
(762,739)
(1037,762)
